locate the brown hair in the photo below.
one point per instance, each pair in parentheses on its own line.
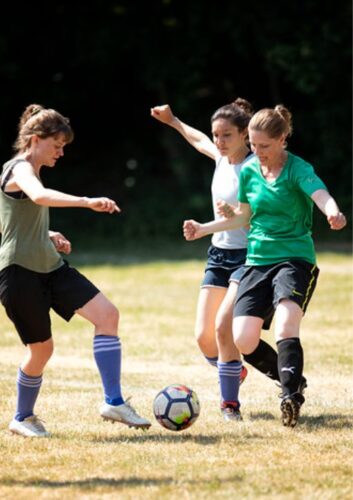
(274,122)
(238,113)
(37,120)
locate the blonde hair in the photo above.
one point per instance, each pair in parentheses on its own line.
(275,122)
(37,120)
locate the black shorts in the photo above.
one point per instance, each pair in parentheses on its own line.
(263,287)
(223,266)
(28,297)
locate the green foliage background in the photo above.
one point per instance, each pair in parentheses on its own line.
(105,64)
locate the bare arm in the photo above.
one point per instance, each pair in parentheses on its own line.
(28,182)
(329,207)
(193,230)
(197,139)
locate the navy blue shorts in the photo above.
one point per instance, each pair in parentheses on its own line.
(263,287)
(223,266)
(28,297)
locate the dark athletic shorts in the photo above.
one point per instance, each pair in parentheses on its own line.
(263,287)
(28,297)
(223,266)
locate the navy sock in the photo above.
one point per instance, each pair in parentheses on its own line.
(212,361)
(290,364)
(107,353)
(27,392)
(229,377)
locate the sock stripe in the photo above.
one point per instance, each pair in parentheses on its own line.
(212,361)
(107,349)
(106,340)
(107,354)
(106,344)
(28,381)
(228,371)
(229,379)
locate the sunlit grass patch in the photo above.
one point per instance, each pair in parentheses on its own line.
(257,458)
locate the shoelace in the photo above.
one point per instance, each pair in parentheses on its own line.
(129,407)
(37,423)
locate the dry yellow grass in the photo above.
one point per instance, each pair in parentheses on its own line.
(87,458)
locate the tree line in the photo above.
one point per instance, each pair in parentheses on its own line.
(105,64)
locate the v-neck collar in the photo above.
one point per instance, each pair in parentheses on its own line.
(271,183)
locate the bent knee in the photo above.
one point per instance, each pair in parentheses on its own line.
(223,333)
(247,333)
(203,335)
(42,351)
(111,315)
(206,341)
(203,342)
(107,320)
(245,344)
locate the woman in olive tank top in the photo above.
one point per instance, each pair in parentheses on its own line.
(35,279)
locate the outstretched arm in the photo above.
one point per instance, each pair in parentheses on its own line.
(197,139)
(29,183)
(329,207)
(194,230)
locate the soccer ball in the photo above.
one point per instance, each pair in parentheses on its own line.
(176,407)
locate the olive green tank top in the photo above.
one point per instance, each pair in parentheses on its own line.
(24,229)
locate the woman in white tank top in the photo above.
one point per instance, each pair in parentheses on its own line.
(226,255)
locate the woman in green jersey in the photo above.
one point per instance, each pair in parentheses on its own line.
(229,149)
(35,279)
(277,191)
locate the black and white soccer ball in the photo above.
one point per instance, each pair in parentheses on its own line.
(176,407)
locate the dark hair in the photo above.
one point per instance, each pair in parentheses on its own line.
(37,120)
(275,122)
(238,113)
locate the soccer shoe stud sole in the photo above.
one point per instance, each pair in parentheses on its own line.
(136,426)
(290,413)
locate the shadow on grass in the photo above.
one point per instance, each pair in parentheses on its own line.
(261,415)
(88,483)
(203,440)
(133,481)
(327,421)
(161,438)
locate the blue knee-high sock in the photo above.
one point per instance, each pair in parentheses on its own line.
(27,392)
(229,377)
(107,353)
(212,361)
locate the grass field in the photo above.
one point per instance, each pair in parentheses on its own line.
(87,458)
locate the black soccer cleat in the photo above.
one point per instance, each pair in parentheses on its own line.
(290,408)
(301,388)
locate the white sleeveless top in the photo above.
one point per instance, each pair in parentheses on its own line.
(225,184)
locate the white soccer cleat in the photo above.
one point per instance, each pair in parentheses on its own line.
(30,427)
(124,414)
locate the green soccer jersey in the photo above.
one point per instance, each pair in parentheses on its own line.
(281,221)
